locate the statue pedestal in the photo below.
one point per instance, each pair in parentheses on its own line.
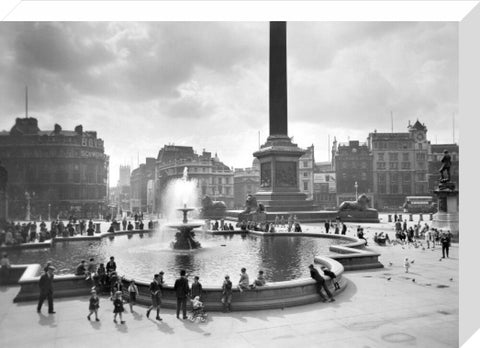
(279,190)
(447,217)
(3,206)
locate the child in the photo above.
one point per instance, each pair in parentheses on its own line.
(226,294)
(332,276)
(133,292)
(260,281)
(118,307)
(94,303)
(406,265)
(243,282)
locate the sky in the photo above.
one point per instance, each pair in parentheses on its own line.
(142,85)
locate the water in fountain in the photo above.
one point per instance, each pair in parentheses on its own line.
(180,192)
(181,196)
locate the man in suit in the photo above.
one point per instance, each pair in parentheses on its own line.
(46,290)
(182,289)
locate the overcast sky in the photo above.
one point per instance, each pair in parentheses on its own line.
(205,84)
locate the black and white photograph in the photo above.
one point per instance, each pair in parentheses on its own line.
(242,183)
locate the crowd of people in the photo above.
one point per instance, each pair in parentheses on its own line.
(278,225)
(106,281)
(16,233)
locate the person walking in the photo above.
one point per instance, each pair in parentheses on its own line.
(46,290)
(93,305)
(327,226)
(156,294)
(181,289)
(133,293)
(227,294)
(445,240)
(196,288)
(320,284)
(118,307)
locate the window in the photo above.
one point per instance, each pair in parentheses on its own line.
(381,165)
(394,177)
(406,189)
(393,188)
(363,165)
(406,156)
(381,156)
(382,188)
(421,156)
(405,165)
(393,165)
(305,185)
(393,156)
(363,176)
(305,174)
(305,164)
(420,177)
(406,177)
(382,178)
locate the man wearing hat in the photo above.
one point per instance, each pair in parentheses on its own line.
(46,289)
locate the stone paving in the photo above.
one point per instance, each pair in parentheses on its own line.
(379,308)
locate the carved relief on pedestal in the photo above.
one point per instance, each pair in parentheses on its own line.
(286,174)
(265,174)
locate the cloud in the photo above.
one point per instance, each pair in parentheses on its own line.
(145,84)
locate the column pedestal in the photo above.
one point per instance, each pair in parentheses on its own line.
(447,217)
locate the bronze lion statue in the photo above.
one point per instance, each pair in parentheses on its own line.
(213,209)
(361,203)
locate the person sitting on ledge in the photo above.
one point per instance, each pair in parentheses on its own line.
(81,269)
(320,284)
(90,231)
(272,228)
(150,224)
(297,227)
(260,281)
(140,225)
(230,226)
(332,276)
(130,226)
(111,229)
(243,282)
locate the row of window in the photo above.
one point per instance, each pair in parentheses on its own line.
(403,165)
(354,164)
(397,177)
(393,156)
(420,188)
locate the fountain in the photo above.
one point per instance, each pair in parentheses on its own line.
(185,238)
(186,190)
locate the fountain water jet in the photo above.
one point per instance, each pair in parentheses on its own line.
(185,190)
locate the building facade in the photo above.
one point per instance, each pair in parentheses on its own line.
(246,181)
(400,166)
(54,173)
(139,186)
(353,169)
(306,166)
(213,177)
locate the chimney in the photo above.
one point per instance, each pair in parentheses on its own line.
(79,129)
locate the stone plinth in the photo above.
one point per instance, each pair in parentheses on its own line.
(279,161)
(447,217)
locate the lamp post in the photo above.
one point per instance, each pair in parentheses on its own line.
(49,211)
(356,190)
(28,197)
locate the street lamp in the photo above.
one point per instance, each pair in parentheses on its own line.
(49,211)
(28,197)
(356,190)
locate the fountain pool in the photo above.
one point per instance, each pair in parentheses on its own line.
(140,256)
